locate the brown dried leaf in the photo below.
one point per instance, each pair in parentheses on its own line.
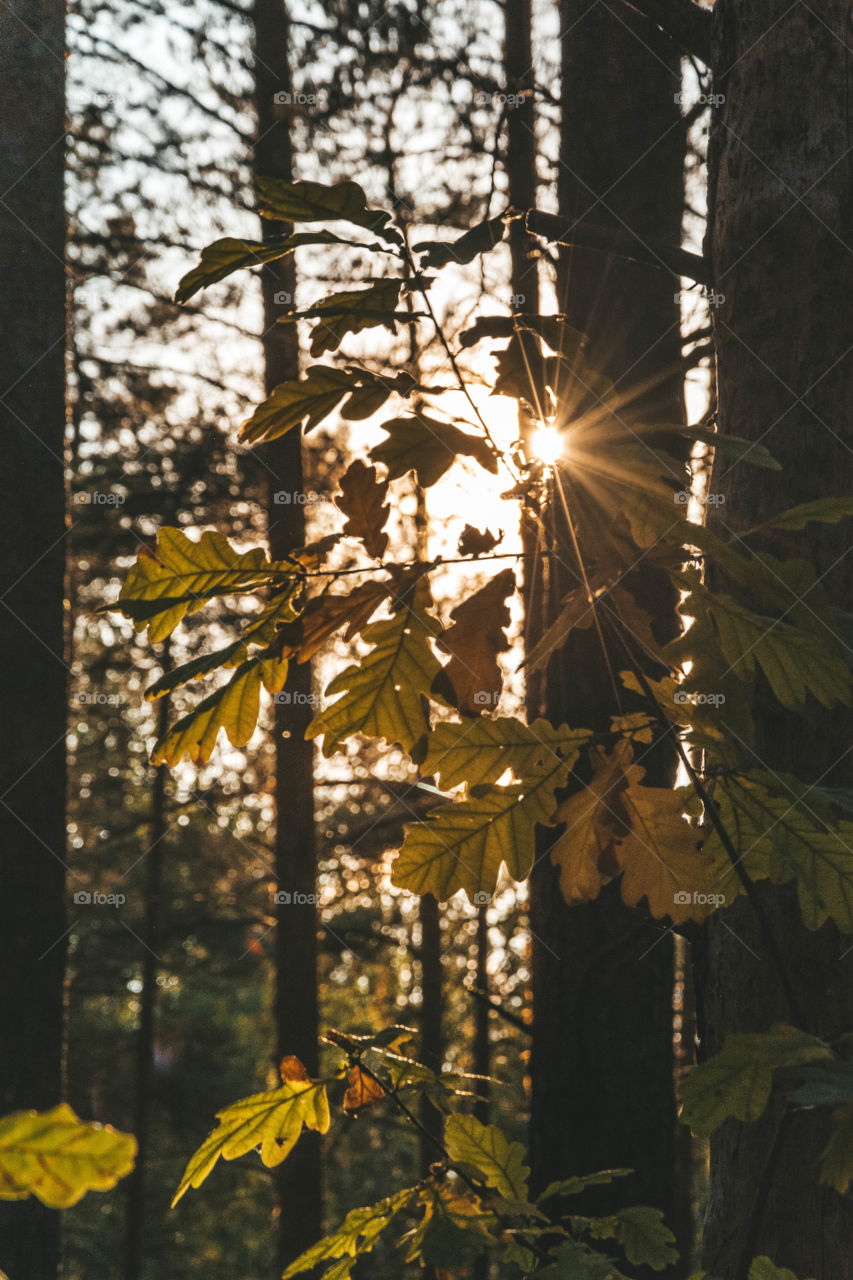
(361,500)
(473,640)
(292,1071)
(326,614)
(362,1091)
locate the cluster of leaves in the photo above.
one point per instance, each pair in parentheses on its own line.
(766,629)
(475,1201)
(620,488)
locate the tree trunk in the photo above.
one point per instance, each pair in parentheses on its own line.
(32,529)
(779,243)
(602,1061)
(296,1005)
(144,1066)
(432,1006)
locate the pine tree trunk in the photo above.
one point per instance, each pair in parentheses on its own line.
(296,1005)
(780,246)
(32,530)
(602,1062)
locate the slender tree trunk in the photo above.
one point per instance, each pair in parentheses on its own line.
(432,1008)
(32,531)
(296,1004)
(482,1009)
(144,1082)
(602,1061)
(780,246)
(521,180)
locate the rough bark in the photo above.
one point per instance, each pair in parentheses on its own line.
(299,1178)
(779,245)
(32,530)
(602,1068)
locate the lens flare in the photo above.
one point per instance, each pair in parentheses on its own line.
(548,445)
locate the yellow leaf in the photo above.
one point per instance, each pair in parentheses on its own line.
(234,707)
(586,851)
(662,859)
(464,845)
(381,695)
(268,1122)
(180,575)
(480,751)
(468,1141)
(57,1157)
(615,825)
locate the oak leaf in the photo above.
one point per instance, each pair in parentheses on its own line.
(473,640)
(362,500)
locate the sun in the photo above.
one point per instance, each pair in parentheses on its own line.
(548,445)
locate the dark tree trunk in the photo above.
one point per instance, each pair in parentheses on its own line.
(482,1010)
(780,246)
(296,1006)
(144,1066)
(32,531)
(602,1062)
(432,1008)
